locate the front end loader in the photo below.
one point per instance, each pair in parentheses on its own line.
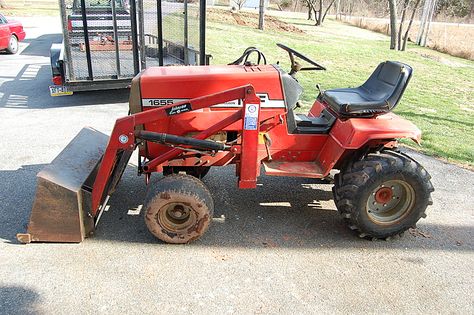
(185,120)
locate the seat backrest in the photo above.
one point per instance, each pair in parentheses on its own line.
(388,82)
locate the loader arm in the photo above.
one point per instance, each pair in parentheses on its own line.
(79,180)
(123,139)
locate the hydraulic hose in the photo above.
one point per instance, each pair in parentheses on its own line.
(165,138)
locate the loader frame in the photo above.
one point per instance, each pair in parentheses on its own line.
(124,140)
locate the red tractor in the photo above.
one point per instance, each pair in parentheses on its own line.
(185,120)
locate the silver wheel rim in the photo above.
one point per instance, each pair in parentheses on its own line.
(13,43)
(390,202)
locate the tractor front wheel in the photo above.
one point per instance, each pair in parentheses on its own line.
(196,171)
(383,194)
(179,208)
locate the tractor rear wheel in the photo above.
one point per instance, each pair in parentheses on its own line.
(383,195)
(179,208)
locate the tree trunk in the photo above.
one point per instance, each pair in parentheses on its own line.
(261,15)
(471,14)
(402,20)
(405,38)
(319,19)
(310,10)
(393,23)
(423,19)
(327,9)
(430,18)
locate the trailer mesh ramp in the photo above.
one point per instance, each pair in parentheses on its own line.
(109,39)
(179,32)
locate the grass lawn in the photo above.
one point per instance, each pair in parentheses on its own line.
(31,8)
(439,98)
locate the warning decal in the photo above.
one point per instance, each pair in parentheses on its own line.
(251,117)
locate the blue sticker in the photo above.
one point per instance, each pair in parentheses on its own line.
(250,123)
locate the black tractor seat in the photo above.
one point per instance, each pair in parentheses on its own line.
(378,95)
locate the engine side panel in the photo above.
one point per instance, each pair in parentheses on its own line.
(168,85)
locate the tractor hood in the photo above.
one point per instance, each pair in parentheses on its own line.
(168,85)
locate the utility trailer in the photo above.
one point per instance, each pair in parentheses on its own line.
(106,43)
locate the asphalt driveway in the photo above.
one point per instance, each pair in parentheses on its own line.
(281,248)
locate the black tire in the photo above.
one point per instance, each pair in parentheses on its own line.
(12,45)
(178,208)
(383,195)
(196,171)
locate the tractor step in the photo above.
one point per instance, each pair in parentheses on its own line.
(293,169)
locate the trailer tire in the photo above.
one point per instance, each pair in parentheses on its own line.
(179,208)
(383,195)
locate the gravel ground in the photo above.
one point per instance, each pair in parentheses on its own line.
(281,248)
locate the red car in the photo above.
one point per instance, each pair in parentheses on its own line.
(11,32)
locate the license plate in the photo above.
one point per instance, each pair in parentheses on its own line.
(59,90)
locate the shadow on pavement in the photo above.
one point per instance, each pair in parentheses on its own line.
(17,193)
(40,46)
(29,88)
(18,300)
(280,213)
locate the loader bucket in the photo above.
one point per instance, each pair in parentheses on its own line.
(62,206)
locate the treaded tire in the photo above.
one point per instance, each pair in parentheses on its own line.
(193,201)
(196,171)
(12,45)
(355,185)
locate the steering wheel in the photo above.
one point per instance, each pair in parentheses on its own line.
(295,66)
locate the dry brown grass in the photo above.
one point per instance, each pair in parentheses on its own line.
(455,39)
(249,19)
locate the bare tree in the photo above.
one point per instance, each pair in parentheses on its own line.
(327,9)
(402,20)
(261,15)
(471,13)
(318,15)
(317,6)
(393,23)
(239,3)
(425,22)
(338,9)
(307,3)
(413,13)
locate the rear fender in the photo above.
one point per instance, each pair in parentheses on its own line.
(353,134)
(357,133)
